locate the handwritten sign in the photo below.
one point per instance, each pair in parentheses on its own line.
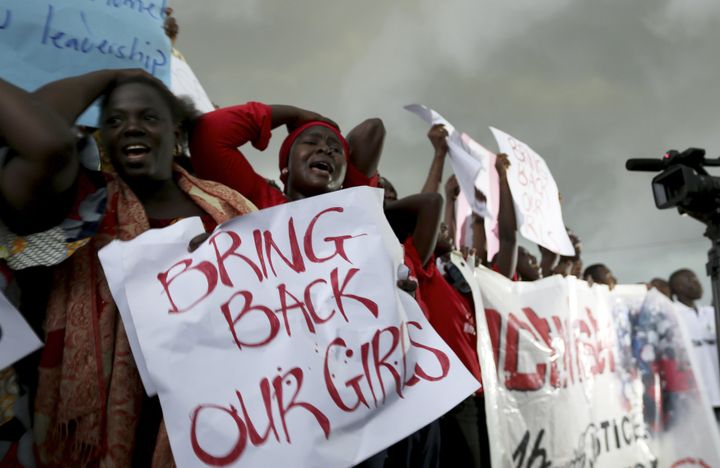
(535,193)
(471,162)
(578,376)
(42,41)
(284,337)
(17,339)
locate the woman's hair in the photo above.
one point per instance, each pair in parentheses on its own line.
(183,111)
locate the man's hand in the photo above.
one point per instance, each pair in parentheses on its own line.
(438,137)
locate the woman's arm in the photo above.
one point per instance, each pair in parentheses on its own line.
(507,225)
(41,164)
(423,211)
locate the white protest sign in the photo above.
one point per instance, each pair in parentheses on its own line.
(471,163)
(537,202)
(17,339)
(284,336)
(186,84)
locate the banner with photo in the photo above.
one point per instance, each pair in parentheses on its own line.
(578,376)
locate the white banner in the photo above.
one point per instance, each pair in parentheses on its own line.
(17,339)
(471,163)
(577,377)
(537,202)
(283,338)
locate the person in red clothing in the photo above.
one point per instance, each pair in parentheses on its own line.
(315,158)
(452,314)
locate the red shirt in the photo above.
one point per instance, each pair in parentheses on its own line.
(215,156)
(450,313)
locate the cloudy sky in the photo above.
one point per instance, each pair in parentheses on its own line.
(587,84)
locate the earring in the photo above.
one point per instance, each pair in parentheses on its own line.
(178,150)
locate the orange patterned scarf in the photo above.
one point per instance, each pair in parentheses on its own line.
(89,391)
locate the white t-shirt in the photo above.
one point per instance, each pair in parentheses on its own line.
(701,327)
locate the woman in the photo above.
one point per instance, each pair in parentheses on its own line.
(90,400)
(315,158)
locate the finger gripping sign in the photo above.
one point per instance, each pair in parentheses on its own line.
(535,194)
(284,338)
(43,41)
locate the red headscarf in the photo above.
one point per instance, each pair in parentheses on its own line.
(288,142)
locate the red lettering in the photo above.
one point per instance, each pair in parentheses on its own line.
(248,307)
(339,241)
(207,270)
(339,293)
(297,264)
(515,380)
(311,308)
(234,453)
(604,345)
(353,383)
(541,326)
(494,322)
(284,408)
(562,331)
(235,242)
(257,237)
(255,438)
(382,361)
(441,357)
(365,357)
(284,309)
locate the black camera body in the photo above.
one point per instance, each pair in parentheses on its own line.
(683,183)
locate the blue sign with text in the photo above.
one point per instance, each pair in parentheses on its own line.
(45,40)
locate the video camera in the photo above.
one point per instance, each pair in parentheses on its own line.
(683,183)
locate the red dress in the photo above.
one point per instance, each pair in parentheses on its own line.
(448,311)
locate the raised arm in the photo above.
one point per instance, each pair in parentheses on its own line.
(217,135)
(452,191)
(438,137)
(70,97)
(366,143)
(507,225)
(479,240)
(422,211)
(41,164)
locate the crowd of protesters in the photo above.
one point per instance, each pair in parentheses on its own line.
(79,401)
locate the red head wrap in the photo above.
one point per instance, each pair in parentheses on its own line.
(288,142)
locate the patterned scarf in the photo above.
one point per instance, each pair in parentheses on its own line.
(89,392)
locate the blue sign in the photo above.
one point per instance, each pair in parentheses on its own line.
(45,40)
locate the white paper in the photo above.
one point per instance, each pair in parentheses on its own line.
(203,364)
(111,260)
(535,193)
(185,83)
(470,161)
(17,339)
